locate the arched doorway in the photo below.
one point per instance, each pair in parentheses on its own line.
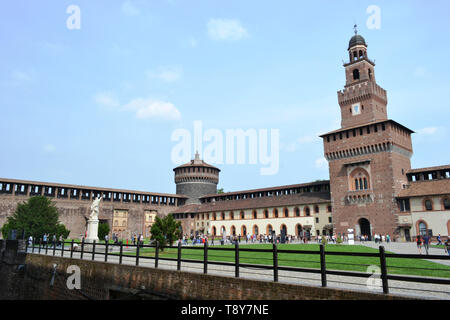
(233,230)
(423,229)
(299,230)
(283,229)
(244,230)
(269,229)
(255,230)
(364,227)
(214,231)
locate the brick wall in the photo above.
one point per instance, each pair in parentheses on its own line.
(103,280)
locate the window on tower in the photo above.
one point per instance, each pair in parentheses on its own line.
(356,74)
(359,180)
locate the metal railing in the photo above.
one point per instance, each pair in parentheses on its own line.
(237,264)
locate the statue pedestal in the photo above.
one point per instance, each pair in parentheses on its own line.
(92,231)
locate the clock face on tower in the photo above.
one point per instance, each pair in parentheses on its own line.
(356,109)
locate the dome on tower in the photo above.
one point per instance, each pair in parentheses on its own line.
(355,40)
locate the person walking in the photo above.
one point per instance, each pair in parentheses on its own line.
(419,244)
(439,240)
(426,243)
(447,246)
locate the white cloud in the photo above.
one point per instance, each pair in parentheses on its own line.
(428,130)
(166,74)
(321,163)
(130,9)
(107,99)
(226,29)
(21,76)
(420,72)
(49,148)
(308,139)
(148,108)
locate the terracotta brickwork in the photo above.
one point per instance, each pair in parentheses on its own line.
(73,213)
(368,157)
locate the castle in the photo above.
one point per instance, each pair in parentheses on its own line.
(372,188)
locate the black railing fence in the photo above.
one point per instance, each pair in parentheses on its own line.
(134,251)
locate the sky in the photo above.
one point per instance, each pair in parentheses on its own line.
(92,91)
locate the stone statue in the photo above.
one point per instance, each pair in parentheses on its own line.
(92,228)
(95,209)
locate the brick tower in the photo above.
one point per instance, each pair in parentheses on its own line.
(369,155)
(196,179)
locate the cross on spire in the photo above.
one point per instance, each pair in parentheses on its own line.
(355,27)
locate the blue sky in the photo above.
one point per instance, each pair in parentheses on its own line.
(98,105)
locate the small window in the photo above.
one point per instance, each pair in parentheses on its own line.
(428,205)
(317,220)
(356,74)
(446,204)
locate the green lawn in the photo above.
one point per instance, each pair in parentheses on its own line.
(404,266)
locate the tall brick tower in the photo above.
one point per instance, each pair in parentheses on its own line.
(369,155)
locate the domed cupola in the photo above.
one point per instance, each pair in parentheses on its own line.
(357,47)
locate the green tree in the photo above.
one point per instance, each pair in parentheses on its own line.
(165,230)
(35,217)
(103,230)
(220,190)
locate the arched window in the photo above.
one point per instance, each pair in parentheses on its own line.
(214,216)
(446,203)
(422,228)
(275,213)
(329,209)
(356,74)
(428,205)
(269,229)
(307,212)
(297,212)
(223,215)
(243,231)
(231,215)
(360,53)
(255,215)
(316,209)
(233,230)
(286,212)
(242,214)
(214,231)
(266,214)
(370,74)
(359,180)
(255,230)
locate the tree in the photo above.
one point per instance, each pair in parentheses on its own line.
(165,230)
(220,190)
(35,217)
(103,230)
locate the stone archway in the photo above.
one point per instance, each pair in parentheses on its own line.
(365,229)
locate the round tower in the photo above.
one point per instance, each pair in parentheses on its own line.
(196,179)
